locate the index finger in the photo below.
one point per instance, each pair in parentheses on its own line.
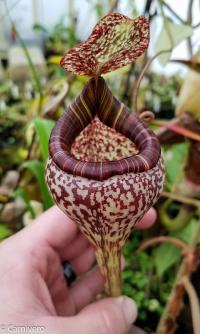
(52,227)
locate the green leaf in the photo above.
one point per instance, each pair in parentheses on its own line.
(186,234)
(165,256)
(174,160)
(38,170)
(39,27)
(170,36)
(4,232)
(99,10)
(127,274)
(43,129)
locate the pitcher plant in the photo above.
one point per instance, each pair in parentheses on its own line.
(105,168)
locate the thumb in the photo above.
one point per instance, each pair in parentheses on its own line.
(108,316)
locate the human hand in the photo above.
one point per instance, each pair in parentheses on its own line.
(33,288)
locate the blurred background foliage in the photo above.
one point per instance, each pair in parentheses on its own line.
(33,94)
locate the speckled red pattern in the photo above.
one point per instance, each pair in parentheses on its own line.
(106,211)
(98,142)
(116,41)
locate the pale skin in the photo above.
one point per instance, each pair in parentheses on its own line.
(33,290)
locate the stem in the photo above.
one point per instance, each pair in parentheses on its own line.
(113,5)
(109,261)
(194,304)
(181,130)
(137,86)
(185,248)
(173,12)
(178,17)
(136,90)
(189,22)
(167,323)
(182,199)
(10,9)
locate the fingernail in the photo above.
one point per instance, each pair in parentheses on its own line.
(129,309)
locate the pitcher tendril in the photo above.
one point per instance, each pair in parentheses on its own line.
(105,168)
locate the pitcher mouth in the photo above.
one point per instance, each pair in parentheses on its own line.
(97,100)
